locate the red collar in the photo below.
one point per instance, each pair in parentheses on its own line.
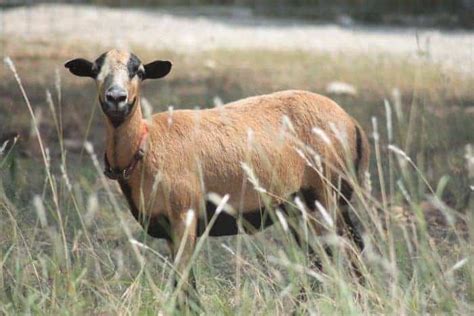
(124,174)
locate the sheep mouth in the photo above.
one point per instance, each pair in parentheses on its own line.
(117,115)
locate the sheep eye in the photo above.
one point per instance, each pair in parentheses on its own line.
(133,72)
(136,72)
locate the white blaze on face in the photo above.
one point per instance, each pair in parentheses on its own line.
(113,71)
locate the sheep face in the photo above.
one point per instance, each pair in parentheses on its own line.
(118,76)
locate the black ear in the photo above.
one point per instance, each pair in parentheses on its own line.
(81,67)
(157,69)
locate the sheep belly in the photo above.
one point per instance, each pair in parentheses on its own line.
(227,225)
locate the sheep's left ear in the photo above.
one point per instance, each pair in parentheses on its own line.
(157,69)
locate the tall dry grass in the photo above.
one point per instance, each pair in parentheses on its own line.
(73,248)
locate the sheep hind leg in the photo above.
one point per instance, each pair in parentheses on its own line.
(315,260)
(348,225)
(353,229)
(182,247)
(309,197)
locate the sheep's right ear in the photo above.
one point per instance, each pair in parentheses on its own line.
(81,67)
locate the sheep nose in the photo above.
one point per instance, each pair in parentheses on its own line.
(116,95)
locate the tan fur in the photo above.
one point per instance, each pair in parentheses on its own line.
(214,142)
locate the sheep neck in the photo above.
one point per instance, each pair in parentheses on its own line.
(123,141)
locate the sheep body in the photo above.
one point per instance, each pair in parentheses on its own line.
(198,151)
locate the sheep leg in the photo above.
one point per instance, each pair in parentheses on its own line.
(346,224)
(314,261)
(345,217)
(352,228)
(305,246)
(310,196)
(182,247)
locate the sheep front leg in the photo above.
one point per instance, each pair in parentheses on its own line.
(182,246)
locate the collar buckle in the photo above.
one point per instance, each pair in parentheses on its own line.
(125,173)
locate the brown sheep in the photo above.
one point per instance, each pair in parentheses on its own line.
(167,165)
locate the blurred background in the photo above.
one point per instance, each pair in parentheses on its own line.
(417,55)
(403,68)
(453,13)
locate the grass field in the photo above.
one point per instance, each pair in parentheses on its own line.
(69,245)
